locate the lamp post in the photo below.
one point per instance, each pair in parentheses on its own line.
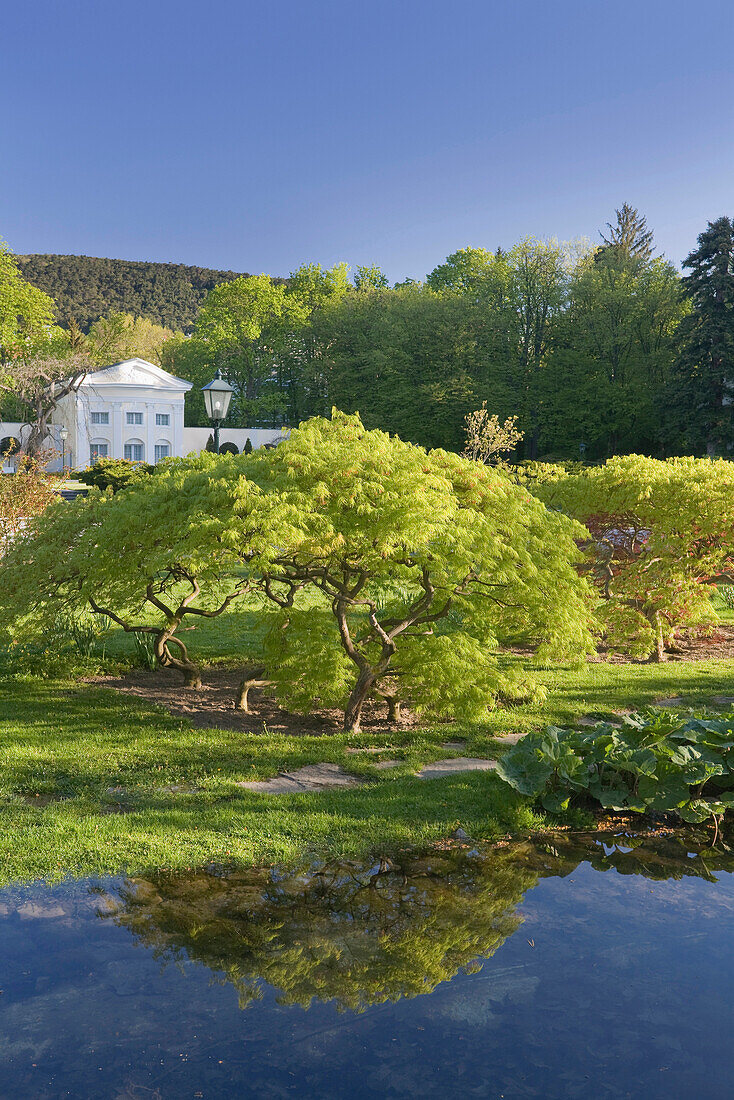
(217,396)
(63,436)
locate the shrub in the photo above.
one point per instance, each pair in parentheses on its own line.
(114,473)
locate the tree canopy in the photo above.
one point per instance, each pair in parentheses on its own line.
(661,533)
(426,561)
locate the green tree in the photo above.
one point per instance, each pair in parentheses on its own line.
(242,328)
(660,534)
(190,359)
(701,394)
(370,277)
(301,365)
(612,355)
(540,277)
(628,237)
(414,361)
(119,336)
(26,313)
(427,561)
(463,271)
(171,547)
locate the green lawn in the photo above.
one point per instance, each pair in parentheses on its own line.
(86,775)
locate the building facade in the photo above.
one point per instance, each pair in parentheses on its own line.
(132,410)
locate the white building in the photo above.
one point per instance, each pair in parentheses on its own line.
(132,410)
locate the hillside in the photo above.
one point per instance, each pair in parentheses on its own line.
(85,287)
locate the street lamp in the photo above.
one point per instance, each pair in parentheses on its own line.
(217,396)
(63,436)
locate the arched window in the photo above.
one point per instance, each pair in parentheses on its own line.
(162,450)
(134,450)
(98,448)
(9,446)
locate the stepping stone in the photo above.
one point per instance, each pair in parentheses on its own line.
(459,764)
(382,764)
(509,738)
(723,700)
(671,701)
(453,746)
(312,777)
(369,750)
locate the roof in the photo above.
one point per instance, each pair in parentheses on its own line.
(136,372)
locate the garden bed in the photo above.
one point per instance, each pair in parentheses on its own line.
(212,706)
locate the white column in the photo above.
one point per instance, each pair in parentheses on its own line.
(150,429)
(177,421)
(78,436)
(116,432)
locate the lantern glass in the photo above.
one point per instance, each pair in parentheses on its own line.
(217,396)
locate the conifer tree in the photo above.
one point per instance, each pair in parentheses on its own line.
(702,392)
(629,238)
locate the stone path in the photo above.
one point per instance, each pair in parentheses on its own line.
(320,777)
(312,777)
(440,768)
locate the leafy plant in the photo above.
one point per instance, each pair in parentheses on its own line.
(726,591)
(145,656)
(82,631)
(661,763)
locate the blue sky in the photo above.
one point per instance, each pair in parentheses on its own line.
(258,136)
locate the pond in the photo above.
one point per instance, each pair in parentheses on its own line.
(593,966)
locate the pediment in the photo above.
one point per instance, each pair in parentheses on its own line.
(136,372)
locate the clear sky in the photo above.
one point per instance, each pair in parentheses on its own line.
(260,135)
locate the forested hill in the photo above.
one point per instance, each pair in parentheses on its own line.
(86,287)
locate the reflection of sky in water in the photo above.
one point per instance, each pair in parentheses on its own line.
(614,985)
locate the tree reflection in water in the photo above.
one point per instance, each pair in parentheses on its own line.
(359,935)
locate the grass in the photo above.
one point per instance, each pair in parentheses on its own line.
(88,777)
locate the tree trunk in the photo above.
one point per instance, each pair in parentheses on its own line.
(360,691)
(658,653)
(189,671)
(393,709)
(252,678)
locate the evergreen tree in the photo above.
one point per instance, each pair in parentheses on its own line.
(629,237)
(701,403)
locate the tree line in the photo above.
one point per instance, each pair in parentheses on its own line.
(596,350)
(86,288)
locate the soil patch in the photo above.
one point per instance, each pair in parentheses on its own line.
(701,644)
(212,706)
(716,643)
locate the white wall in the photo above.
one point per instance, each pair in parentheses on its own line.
(195,439)
(20,431)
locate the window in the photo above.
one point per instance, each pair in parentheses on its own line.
(100,418)
(134,418)
(163,419)
(97,450)
(162,450)
(134,452)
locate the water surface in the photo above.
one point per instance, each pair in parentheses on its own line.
(564,968)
